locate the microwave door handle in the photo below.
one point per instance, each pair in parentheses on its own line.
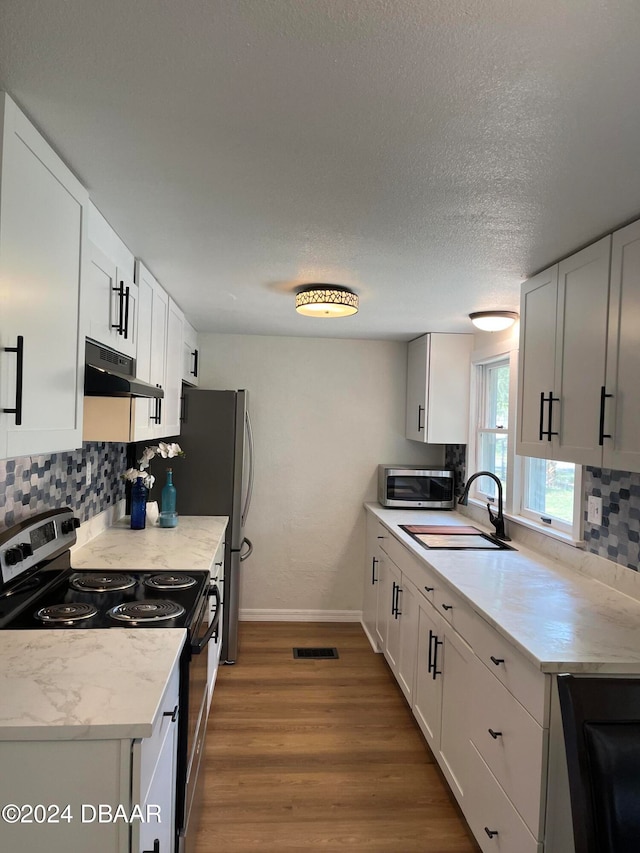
(247,500)
(199,647)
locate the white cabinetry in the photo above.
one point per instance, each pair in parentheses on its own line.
(152,352)
(42,240)
(438,372)
(171,405)
(109,295)
(114,773)
(563,340)
(371,579)
(621,440)
(190,354)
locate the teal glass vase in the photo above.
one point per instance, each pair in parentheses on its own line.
(168,496)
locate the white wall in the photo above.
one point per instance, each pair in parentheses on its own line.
(325,412)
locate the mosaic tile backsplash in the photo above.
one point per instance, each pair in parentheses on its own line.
(618,538)
(455,456)
(31,484)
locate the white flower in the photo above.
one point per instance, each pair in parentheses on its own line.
(166,451)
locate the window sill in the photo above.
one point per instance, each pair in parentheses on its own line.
(567,538)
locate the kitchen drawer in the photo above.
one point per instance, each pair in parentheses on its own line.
(529,685)
(517,742)
(497,826)
(152,747)
(410,566)
(456,611)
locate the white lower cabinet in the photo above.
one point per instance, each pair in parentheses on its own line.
(214,647)
(482,707)
(371,580)
(131,785)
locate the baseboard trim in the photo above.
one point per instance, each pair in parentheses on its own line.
(300,615)
(372,640)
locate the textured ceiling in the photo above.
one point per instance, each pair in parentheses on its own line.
(429,153)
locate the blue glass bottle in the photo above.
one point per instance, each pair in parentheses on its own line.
(139,494)
(168,496)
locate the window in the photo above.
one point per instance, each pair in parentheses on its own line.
(493,420)
(541,492)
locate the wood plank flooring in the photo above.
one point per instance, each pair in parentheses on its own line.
(319,754)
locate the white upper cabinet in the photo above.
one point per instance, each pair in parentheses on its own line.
(190,355)
(438,373)
(621,394)
(153,310)
(173,373)
(109,295)
(580,318)
(42,243)
(563,341)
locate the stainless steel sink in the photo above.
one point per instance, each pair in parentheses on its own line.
(450,539)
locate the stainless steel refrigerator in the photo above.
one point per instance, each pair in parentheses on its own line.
(216,478)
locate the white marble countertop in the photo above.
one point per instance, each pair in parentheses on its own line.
(85,685)
(561,620)
(191,545)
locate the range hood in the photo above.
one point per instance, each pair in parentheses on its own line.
(108,373)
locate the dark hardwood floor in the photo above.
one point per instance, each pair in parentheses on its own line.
(319,754)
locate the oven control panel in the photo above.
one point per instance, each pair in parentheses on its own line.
(34,540)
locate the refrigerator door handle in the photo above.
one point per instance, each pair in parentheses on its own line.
(247,499)
(246,553)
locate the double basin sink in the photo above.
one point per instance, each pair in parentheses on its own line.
(452,537)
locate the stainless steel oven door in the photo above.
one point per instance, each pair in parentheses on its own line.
(197,716)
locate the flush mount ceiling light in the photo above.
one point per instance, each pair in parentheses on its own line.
(326,300)
(493,321)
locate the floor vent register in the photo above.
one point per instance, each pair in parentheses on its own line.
(315,654)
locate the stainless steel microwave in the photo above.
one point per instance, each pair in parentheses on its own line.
(415,487)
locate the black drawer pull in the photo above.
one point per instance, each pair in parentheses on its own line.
(493,734)
(497,661)
(490,832)
(429,588)
(19,351)
(447,606)
(156,847)
(173,714)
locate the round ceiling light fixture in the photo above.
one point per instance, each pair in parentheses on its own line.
(493,321)
(326,300)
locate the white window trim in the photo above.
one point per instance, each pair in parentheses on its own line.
(515,464)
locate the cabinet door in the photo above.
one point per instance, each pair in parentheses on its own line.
(536,370)
(456,696)
(392,594)
(383,604)
(190,355)
(42,237)
(408,618)
(371,580)
(581,341)
(416,406)
(214,647)
(171,405)
(427,697)
(153,304)
(622,410)
(109,299)
(159,835)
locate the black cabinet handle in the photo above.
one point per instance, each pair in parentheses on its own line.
(601,433)
(194,372)
(435,671)
(497,661)
(494,735)
(374,579)
(156,847)
(429,661)
(490,832)
(157,416)
(542,402)
(552,400)
(429,588)
(127,296)
(19,351)
(393,598)
(173,714)
(447,606)
(420,424)
(398,591)
(119,326)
